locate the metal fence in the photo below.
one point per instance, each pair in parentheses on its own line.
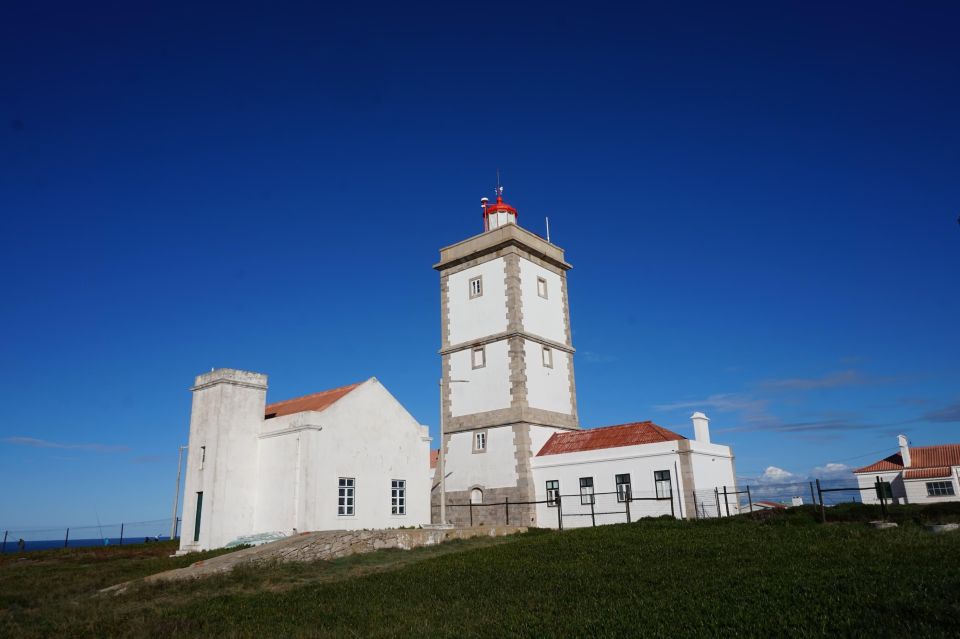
(135,532)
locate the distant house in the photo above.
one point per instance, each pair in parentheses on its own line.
(914,475)
(764,504)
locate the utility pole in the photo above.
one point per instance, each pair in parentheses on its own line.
(176,495)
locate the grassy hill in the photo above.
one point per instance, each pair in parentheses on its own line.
(780,577)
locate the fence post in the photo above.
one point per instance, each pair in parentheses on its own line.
(750,501)
(506,508)
(628,500)
(726,501)
(67,538)
(559,510)
(716,495)
(813,497)
(823,507)
(593,517)
(471,513)
(4,548)
(121,534)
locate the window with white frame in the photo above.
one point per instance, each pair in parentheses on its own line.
(345,496)
(480,441)
(476,496)
(623,487)
(661,479)
(476,286)
(542,287)
(553,492)
(548,357)
(398,496)
(939,488)
(479,357)
(586,490)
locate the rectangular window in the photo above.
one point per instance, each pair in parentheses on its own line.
(345,496)
(480,441)
(553,492)
(196,523)
(476,287)
(586,490)
(398,496)
(623,487)
(661,479)
(542,287)
(203,456)
(479,356)
(548,357)
(939,488)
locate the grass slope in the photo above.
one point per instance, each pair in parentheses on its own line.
(780,577)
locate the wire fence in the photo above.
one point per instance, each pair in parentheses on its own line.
(133,532)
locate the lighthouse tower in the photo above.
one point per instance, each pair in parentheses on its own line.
(507,364)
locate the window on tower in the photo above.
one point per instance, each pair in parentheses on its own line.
(480,441)
(548,357)
(476,286)
(479,357)
(542,287)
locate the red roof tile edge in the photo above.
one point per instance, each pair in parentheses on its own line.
(920,457)
(633,434)
(314,401)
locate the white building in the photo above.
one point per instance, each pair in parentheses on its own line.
(509,402)
(346,458)
(913,475)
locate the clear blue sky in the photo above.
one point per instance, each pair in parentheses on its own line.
(760,201)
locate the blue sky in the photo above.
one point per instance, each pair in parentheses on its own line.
(760,202)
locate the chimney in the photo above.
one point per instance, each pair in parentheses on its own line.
(701,427)
(904,450)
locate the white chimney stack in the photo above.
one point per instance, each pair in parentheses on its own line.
(904,450)
(701,427)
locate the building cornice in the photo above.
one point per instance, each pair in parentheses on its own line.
(453,348)
(497,239)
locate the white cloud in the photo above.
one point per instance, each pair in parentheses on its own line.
(831,470)
(43,443)
(776,475)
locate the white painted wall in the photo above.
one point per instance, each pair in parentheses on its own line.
(547,388)
(539,436)
(495,468)
(916,490)
(225,419)
(603,465)
(867,483)
(713,468)
(288,477)
(543,317)
(481,316)
(488,387)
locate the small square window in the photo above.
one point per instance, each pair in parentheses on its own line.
(553,493)
(476,287)
(939,488)
(542,287)
(480,441)
(586,490)
(345,496)
(548,357)
(398,497)
(479,357)
(624,492)
(661,480)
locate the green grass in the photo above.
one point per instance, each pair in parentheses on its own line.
(775,577)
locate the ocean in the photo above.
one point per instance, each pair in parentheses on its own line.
(52,544)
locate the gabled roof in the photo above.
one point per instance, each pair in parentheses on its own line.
(316,401)
(920,457)
(607,437)
(893,462)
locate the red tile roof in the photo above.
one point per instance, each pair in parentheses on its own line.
(920,457)
(893,462)
(316,401)
(607,437)
(434,458)
(927,473)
